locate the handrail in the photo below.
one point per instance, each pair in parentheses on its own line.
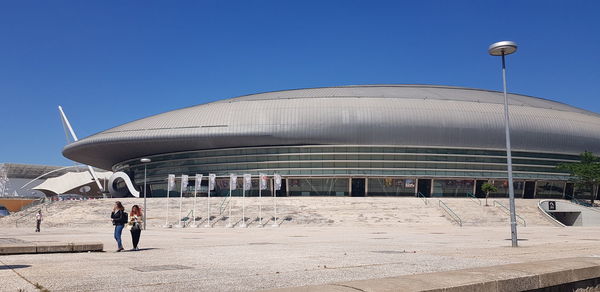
(221,207)
(33,204)
(578,202)
(450,212)
(420,195)
(507,211)
(187,222)
(474,198)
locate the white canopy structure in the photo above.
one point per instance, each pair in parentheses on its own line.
(81,183)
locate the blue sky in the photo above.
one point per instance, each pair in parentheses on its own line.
(111,62)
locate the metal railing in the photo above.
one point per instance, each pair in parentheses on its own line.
(32,204)
(579,202)
(187,219)
(507,211)
(451,213)
(474,198)
(420,195)
(224,204)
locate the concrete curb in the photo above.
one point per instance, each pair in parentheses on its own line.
(512,277)
(29,248)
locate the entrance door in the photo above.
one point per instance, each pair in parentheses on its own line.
(358,187)
(569,188)
(478,192)
(529,190)
(424,187)
(283,191)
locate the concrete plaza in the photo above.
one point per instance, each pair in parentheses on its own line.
(221,259)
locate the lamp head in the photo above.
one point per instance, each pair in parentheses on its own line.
(145,160)
(502,48)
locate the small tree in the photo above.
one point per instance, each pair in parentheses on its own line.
(488,188)
(585,174)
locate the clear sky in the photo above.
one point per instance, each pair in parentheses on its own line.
(111,62)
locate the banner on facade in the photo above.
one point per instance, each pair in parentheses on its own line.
(263,182)
(184,181)
(232,181)
(198,182)
(171,182)
(211,181)
(247,181)
(277,178)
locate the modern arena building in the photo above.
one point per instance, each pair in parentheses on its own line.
(374,140)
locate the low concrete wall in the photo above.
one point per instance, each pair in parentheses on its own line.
(544,275)
(17,248)
(571,214)
(28,248)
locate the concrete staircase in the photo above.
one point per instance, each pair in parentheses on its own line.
(473,214)
(291,211)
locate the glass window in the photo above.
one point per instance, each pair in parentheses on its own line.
(550,189)
(318,186)
(452,188)
(391,186)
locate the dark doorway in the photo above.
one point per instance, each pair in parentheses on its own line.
(529,190)
(283,191)
(569,188)
(358,187)
(424,187)
(478,192)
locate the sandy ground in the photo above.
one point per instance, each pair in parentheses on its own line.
(249,259)
(360,243)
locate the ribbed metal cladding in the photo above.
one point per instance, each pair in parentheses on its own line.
(410,115)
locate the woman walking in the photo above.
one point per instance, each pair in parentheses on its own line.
(119,218)
(135,225)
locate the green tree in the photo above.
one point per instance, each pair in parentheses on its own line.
(488,188)
(585,174)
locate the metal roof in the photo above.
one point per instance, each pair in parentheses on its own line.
(412,115)
(18,170)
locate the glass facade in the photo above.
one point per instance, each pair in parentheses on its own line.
(326,169)
(502,186)
(318,186)
(550,189)
(452,188)
(391,186)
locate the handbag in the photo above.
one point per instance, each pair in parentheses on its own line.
(136,226)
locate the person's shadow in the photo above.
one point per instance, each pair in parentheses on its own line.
(142,249)
(12,267)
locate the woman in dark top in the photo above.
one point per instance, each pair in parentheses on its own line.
(119,218)
(135,225)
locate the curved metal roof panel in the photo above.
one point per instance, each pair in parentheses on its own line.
(412,115)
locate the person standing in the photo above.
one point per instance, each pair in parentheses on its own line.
(119,219)
(135,225)
(38,219)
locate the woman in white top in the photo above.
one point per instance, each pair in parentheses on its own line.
(135,225)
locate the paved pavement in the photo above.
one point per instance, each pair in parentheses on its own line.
(239,259)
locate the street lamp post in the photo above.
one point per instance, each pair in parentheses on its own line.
(145,162)
(502,49)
